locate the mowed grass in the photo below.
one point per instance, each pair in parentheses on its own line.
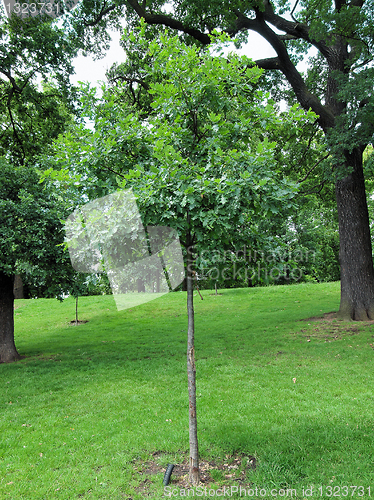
(84,412)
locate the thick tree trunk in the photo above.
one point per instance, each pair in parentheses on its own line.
(18,287)
(141,286)
(194,473)
(355,254)
(8,351)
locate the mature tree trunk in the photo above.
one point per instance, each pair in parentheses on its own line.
(18,287)
(8,351)
(191,370)
(355,254)
(141,286)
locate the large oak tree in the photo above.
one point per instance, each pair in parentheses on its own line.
(35,63)
(338,87)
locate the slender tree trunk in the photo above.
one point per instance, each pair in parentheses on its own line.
(355,254)
(8,351)
(191,370)
(76,309)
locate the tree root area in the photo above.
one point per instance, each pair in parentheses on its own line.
(232,471)
(329,327)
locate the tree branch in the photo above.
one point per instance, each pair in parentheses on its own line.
(269,63)
(295,29)
(105,167)
(284,38)
(308,145)
(15,131)
(11,79)
(284,63)
(130,80)
(356,3)
(293,10)
(312,190)
(260,26)
(103,12)
(339,4)
(168,21)
(313,167)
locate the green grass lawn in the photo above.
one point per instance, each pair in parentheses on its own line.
(88,408)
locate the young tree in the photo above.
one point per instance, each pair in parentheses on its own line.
(338,87)
(201,162)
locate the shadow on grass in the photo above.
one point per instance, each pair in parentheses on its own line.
(299,452)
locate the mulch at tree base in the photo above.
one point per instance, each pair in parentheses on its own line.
(233,472)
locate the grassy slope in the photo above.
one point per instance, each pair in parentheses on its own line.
(89,402)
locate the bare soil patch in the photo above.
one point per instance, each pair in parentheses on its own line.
(231,471)
(331,316)
(329,327)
